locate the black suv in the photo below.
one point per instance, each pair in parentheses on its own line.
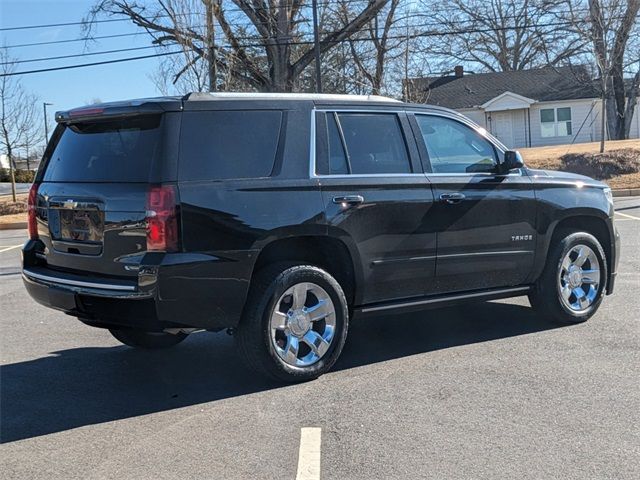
(281,216)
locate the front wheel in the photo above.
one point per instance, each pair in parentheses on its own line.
(295,323)
(572,285)
(148,340)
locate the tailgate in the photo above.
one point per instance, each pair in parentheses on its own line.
(92,193)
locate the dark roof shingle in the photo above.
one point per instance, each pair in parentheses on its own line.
(542,84)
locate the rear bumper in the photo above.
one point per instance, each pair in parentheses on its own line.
(169,291)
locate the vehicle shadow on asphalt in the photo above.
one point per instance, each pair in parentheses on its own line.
(84,386)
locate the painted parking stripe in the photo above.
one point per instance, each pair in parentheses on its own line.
(6,249)
(627,215)
(309,454)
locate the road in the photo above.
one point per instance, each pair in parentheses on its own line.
(483,391)
(5,188)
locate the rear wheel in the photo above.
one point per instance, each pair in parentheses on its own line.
(147,340)
(295,323)
(573,282)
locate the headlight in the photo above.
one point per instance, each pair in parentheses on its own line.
(607,193)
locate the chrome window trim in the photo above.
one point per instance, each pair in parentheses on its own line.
(312,142)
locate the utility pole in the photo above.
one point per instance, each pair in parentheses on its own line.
(316,46)
(46,128)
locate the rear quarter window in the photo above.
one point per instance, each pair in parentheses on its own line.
(120,150)
(228,144)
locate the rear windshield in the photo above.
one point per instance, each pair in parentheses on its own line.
(120,150)
(228,144)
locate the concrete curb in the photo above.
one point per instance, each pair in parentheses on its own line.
(626,192)
(13,226)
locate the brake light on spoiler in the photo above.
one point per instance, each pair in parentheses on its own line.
(162,219)
(82,112)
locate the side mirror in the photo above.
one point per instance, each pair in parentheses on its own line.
(512,161)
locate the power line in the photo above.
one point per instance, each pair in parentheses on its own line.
(75,55)
(66,24)
(257,37)
(290,43)
(67,67)
(53,42)
(165,15)
(238,10)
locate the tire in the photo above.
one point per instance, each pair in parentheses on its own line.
(563,276)
(274,334)
(147,340)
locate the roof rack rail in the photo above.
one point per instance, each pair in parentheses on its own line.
(284,96)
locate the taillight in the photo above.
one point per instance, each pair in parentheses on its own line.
(31,212)
(162,219)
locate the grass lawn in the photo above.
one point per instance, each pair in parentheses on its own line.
(550,158)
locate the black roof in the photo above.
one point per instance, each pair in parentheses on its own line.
(205,101)
(542,84)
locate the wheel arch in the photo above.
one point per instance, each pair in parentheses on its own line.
(593,223)
(328,252)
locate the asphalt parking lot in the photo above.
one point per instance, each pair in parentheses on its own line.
(482,391)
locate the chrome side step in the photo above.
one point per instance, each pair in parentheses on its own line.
(482,295)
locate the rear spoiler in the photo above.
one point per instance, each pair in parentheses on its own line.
(108,112)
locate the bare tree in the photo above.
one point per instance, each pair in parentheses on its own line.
(18,115)
(270,58)
(371,47)
(501,35)
(611,25)
(33,136)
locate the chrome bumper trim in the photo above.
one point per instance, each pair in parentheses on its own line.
(78,283)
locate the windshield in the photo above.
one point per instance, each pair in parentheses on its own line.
(120,150)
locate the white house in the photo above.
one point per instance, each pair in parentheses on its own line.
(526,108)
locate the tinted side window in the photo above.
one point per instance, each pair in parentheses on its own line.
(453,147)
(375,143)
(108,151)
(228,144)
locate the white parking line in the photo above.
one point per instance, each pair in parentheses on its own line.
(627,215)
(309,454)
(6,249)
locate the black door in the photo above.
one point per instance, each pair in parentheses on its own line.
(485,221)
(378,199)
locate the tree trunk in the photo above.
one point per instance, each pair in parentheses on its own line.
(603,122)
(211,46)
(631,104)
(11,173)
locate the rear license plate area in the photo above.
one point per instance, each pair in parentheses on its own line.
(80,225)
(76,227)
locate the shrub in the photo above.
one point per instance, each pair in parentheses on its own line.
(602,166)
(22,176)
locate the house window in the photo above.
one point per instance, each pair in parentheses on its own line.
(555,122)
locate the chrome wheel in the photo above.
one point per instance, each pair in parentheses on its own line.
(579,278)
(303,324)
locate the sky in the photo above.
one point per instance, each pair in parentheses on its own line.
(76,87)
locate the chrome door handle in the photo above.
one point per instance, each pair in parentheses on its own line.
(452,198)
(348,200)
